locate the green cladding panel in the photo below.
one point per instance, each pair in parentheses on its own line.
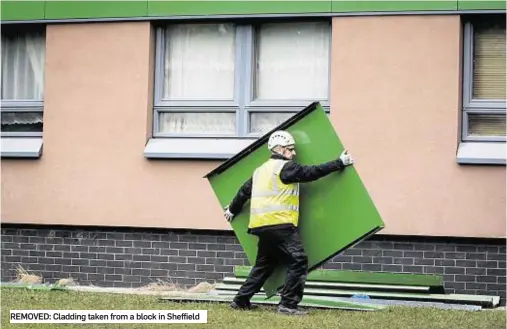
(336,211)
(373,278)
(480,5)
(163,8)
(22,10)
(76,9)
(95,9)
(399,5)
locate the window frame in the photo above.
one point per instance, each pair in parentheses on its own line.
(23,105)
(243,103)
(470,105)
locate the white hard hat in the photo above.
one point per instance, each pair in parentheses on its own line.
(281,138)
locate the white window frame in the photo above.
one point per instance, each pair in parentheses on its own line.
(243,103)
(475,106)
(22,144)
(477,149)
(9,106)
(20,106)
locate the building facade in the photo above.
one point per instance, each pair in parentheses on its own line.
(112,113)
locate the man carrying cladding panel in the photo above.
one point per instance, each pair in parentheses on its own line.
(274,214)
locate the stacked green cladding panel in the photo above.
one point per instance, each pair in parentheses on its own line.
(310,302)
(21,10)
(336,211)
(433,281)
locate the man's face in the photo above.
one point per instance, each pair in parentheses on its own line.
(289,152)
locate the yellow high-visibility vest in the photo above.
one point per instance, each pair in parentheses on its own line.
(272,201)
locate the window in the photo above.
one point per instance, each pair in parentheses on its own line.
(23,61)
(484,103)
(484,89)
(226,80)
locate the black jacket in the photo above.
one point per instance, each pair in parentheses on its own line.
(291,172)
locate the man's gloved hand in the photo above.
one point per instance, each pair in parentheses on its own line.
(228,214)
(346,158)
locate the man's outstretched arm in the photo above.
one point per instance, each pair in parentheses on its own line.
(293,172)
(243,195)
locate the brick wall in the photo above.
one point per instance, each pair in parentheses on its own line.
(132,258)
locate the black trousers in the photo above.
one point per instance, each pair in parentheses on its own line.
(274,247)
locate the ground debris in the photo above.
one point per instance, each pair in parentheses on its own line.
(26,278)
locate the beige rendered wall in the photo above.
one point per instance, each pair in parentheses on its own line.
(96,120)
(395,108)
(396,105)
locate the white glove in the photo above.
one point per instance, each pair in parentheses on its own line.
(346,158)
(228,214)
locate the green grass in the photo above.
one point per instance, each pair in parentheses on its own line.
(220,316)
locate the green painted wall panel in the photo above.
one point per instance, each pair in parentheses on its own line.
(75,9)
(22,10)
(95,9)
(336,211)
(170,8)
(480,5)
(352,6)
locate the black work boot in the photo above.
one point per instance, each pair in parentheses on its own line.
(290,311)
(247,306)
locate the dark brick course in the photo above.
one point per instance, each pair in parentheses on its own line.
(132,258)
